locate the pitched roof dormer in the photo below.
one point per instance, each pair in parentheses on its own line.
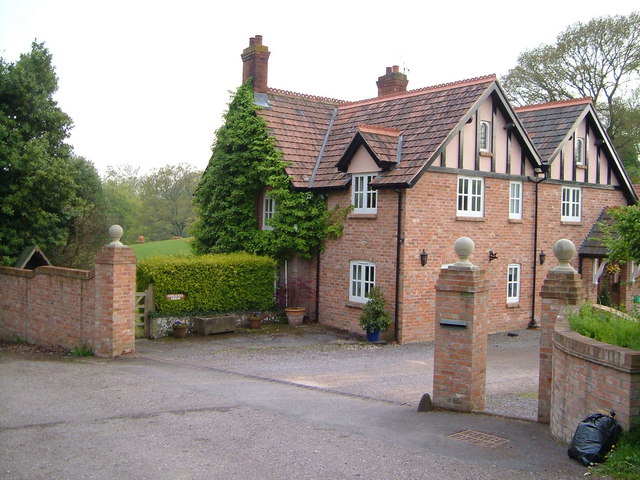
(384,145)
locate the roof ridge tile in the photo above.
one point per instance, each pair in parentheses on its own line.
(554,104)
(419,91)
(305,95)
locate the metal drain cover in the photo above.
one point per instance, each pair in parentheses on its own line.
(479,438)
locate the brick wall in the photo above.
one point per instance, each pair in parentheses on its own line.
(590,376)
(73,308)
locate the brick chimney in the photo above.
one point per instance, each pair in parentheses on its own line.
(255,63)
(392,82)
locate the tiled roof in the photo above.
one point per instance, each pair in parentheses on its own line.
(548,124)
(381,142)
(592,245)
(299,123)
(313,133)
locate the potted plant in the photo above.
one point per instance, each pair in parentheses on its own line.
(180,328)
(294,295)
(374,318)
(254,320)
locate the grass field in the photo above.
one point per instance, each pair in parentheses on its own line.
(179,246)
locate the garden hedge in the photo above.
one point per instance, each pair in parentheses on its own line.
(209,283)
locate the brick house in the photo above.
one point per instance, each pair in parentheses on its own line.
(424,167)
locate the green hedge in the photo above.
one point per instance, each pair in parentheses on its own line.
(210,283)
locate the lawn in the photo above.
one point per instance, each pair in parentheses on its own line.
(179,246)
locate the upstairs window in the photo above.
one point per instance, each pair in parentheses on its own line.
(362,280)
(484,136)
(470,197)
(268,211)
(364,198)
(513,283)
(578,151)
(571,204)
(515,200)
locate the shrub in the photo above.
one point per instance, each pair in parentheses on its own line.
(374,316)
(209,283)
(606,327)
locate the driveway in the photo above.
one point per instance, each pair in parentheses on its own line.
(308,404)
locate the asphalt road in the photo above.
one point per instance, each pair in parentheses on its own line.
(307,404)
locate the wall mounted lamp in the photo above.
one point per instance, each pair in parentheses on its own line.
(543,257)
(492,255)
(423,257)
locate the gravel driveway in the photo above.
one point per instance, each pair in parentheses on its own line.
(315,356)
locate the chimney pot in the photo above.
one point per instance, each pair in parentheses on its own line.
(396,68)
(258,39)
(388,69)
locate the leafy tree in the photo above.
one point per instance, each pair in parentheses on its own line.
(121,187)
(622,237)
(597,59)
(167,200)
(40,199)
(244,162)
(87,230)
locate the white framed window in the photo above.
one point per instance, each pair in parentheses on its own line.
(268,211)
(362,278)
(364,198)
(484,136)
(515,200)
(578,151)
(571,204)
(513,283)
(470,197)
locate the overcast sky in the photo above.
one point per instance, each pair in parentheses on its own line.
(147,82)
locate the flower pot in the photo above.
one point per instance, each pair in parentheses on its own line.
(373,335)
(294,315)
(180,331)
(254,322)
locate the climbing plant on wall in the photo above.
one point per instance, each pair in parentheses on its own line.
(244,162)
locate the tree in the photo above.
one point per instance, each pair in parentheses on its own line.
(245,162)
(40,198)
(167,200)
(622,236)
(598,60)
(121,187)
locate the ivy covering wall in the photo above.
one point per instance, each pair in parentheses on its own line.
(245,162)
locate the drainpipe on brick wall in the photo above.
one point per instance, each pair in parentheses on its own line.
(318,285)
(399,241)
(533,323)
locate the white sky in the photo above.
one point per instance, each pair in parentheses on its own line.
(146,82)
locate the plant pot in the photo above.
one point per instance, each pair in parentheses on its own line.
(373,335)
(294,315)
(180,331)
(254,322)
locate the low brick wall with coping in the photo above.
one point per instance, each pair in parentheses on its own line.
(73,308)
(591,376)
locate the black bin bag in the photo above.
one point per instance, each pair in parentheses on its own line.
(594,438)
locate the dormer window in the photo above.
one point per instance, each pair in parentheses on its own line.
(484,136)
(363,197)
(578,151)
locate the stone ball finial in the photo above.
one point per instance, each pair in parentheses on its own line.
(464,248)
(564,250)
(115,232)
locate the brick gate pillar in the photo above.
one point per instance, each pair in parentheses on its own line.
(460,357)
(562,292)
(115,296)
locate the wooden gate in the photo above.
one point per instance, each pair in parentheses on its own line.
(144,305)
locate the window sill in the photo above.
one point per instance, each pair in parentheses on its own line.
(470,219)
(582,166)
(362,216)
(486,154)
(516,220)
(513,305)
(571,223)
(352,304)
